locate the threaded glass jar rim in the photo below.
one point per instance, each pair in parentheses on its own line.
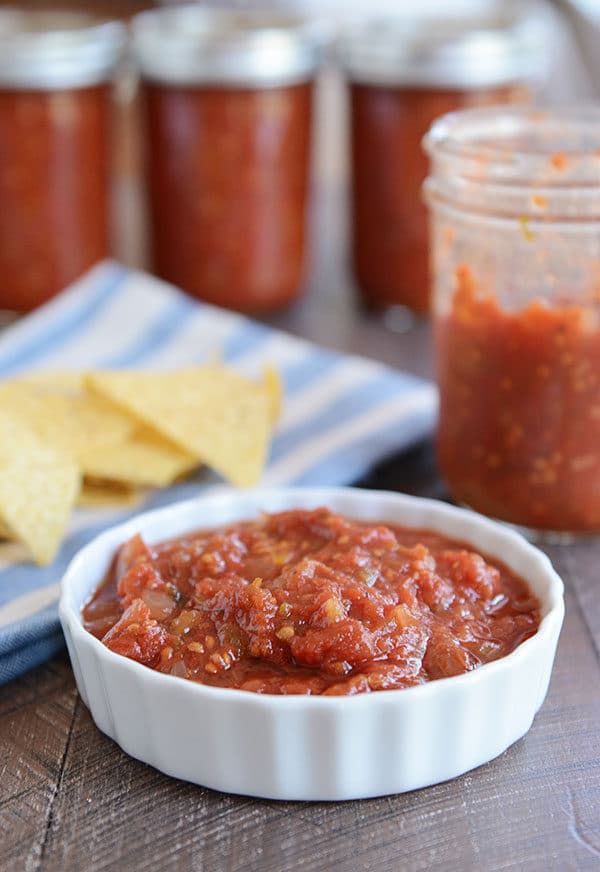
(517,161)
(512,145)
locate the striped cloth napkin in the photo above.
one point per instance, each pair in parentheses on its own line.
(341,415)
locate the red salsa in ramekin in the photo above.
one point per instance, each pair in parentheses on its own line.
(309,602)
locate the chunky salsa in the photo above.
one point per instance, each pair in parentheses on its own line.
(228,176)
(308,602)
(519,431)
(390,229)
(54,190)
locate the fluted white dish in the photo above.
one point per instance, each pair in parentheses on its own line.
(314,748)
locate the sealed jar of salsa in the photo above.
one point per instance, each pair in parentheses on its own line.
(402,75)
(55,70)
(515,202)
(228,99)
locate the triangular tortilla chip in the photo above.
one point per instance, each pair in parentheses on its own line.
(58,380)
(97,494)
(212,413)
(5,532)
(38,488)
(144,459)
(274,387)
(69,419)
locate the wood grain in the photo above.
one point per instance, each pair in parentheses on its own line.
(36,713)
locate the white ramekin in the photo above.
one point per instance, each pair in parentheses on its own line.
(314,748)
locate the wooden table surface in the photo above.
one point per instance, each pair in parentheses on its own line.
(70,799)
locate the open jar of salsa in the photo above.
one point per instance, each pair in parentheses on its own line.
(515,203)
(55,104)
(402,75)
(228,109)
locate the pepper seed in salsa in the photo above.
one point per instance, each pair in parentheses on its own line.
(309,602)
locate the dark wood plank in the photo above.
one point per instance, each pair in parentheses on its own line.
(36,714)
(583,562)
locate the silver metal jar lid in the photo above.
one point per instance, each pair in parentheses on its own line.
(464,52)
(193,45)
(54,50)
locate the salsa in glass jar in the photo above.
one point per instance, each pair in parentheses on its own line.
(401,78)
(55,106)
(515,199)
(228,111)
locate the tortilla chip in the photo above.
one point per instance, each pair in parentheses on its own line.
(212,413)
(61,381)
(274,387)
(71,420)
(144,459)
(38,488)
(5,532)
(12,552)
(97,494)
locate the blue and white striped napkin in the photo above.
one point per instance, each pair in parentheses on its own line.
(341,414)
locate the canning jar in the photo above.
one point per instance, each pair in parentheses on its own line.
(515,205)
(402,75)
(228,99)
(55,70)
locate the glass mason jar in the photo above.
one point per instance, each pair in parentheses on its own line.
(228,109)
(515,203)
(55,106)
(402,75)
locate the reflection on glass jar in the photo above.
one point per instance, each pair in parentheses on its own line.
(404,74)
(515,201)
(54,150)
(228,105)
